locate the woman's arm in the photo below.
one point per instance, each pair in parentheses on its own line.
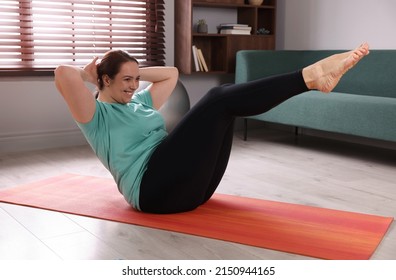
(164,80)
(69,81)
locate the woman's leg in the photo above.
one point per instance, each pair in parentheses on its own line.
(186,168)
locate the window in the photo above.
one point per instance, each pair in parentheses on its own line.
(38,35)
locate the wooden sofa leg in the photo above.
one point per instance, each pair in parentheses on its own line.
(245,129)
(296,133)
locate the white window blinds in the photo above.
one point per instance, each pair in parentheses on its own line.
(38,35)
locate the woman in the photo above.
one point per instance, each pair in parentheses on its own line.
(161,173)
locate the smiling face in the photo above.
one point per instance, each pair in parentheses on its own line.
(121,88)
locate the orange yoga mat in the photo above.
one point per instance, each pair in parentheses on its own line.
(304,230)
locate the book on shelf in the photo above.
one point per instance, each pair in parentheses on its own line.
(234,28)
(235,31)
(195,58)
(202,60)
(199,60)
(233,24)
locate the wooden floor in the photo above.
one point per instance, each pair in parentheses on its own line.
(270,165)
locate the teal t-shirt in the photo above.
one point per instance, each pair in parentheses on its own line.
(123,137)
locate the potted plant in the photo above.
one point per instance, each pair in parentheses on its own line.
(202,27)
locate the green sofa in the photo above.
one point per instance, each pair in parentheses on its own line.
(362,104)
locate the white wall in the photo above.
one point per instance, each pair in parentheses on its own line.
(336,24)
(33,116)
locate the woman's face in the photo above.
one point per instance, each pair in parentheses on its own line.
(125,83)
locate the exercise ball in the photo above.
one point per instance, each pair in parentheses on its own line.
(175,107)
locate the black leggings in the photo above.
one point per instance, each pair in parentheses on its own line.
(186,168)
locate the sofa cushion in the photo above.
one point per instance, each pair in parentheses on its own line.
(365,116)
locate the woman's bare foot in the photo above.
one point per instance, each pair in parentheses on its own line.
(325,74)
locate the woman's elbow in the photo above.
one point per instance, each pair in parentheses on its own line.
(57,75)
(174,74)
(58,69)
(59,72)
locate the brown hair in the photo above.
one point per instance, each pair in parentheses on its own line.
(111,63)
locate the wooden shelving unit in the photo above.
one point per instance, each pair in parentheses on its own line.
(218,49)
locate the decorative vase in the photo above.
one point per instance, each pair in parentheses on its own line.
(202,28)
(256,2)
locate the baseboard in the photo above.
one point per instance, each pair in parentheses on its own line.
(349,138)
(324,134)
(31,141)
